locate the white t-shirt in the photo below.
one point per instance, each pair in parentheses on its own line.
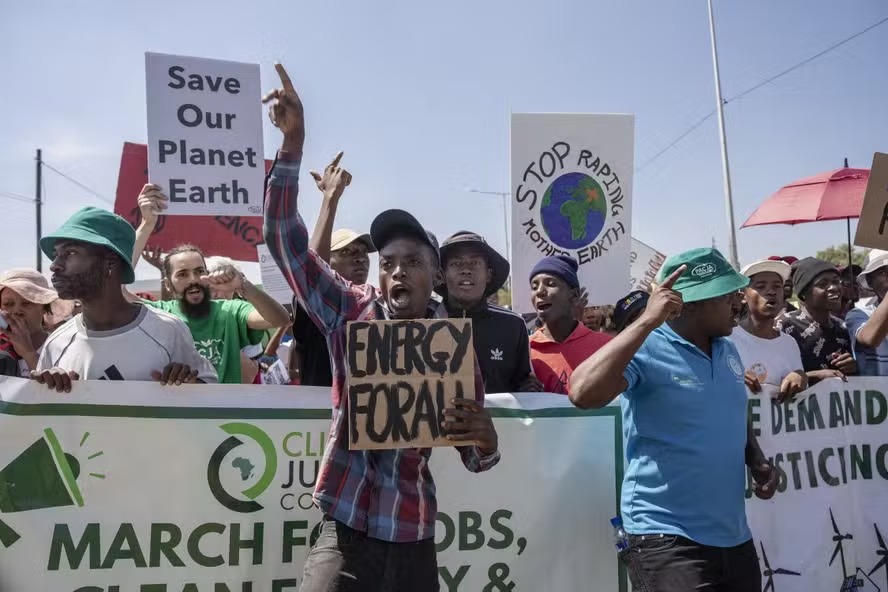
(153,340)
(769,359)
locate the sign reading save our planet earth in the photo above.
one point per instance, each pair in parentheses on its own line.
(572,195)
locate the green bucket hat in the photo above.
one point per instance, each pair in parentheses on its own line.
(97,227)
(708,275)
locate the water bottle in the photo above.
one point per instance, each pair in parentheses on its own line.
(621,539)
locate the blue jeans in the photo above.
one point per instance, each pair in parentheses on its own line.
(346,560)
(669,563)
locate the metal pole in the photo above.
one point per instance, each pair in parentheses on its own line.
(729,202)
(506,224)
(38,203)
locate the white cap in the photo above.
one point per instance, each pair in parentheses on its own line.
(875,260)
(781,268)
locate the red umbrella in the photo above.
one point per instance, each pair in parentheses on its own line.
(834,195)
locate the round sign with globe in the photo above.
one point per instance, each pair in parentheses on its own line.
(573,210)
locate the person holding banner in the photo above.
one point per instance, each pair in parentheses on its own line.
(684,406)
(769,356)
(563,342)
(473,271)
(822,337)
(112,339)
(868,322)
(379,505)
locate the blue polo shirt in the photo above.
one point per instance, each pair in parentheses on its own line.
(684,421)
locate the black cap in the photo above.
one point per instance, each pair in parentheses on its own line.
(392,224)
(806,271)
(498,264)
(628,306)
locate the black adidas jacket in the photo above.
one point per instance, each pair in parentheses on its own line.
(501,346)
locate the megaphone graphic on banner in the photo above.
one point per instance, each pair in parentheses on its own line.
(43,476)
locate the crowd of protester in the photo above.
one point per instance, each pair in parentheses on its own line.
(779,324)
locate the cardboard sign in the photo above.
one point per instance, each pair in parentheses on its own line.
(273,281)
(645,263)
(402,375)
(872,227)
(572,195)
(229,236)
(205,134)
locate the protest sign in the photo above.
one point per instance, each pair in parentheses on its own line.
(401,377)
(872,227)
(273,281)
(210,491)
(205,134)
(645,263)
(228,236)
(827,525)
(572,195)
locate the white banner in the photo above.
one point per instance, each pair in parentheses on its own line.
(205,135)
(827,527)
(572,195)
(646,262)
(143,488)
(273,281)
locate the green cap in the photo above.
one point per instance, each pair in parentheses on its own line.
(709,275)
(97,227)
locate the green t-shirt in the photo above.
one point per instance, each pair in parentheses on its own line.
(221,335)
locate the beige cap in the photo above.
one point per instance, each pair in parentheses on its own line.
(779,267)
(343,237)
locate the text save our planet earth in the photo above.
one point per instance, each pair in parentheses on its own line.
(205,135)
(401,377)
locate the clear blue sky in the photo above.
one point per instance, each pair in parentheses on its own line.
(418,95)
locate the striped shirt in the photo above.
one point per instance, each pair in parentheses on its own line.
(389,494)
(870,362)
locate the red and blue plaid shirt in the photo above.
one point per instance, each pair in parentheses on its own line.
(389,494)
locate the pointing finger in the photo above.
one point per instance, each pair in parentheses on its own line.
(285,78)
(670,281)
(336,160)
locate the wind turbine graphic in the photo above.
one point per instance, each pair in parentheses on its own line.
(839,538)
(882,552)
(770,573)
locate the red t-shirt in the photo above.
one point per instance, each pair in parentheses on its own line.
(554,362)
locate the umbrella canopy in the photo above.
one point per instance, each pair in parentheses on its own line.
(834,195)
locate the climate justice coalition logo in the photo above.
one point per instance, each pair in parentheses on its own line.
(573,200)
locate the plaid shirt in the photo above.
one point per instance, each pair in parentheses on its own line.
(389,494)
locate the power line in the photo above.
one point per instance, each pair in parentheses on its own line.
(754,88)
(16,197)
(78,183)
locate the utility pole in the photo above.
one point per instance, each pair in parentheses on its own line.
(505,196)
(38,204)
(729,202)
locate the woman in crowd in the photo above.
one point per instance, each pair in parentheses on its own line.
(28,306)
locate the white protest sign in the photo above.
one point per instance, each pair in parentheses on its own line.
(572,195)
(646,262)
(210,489)
(205,135)
(273,281)
(827,526)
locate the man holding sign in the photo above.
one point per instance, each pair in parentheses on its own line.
(379,506)
(687,436)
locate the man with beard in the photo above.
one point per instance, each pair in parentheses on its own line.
(868,322)
(347,252)
(684,405)
(562,342)
(221,328)
(379,506)
(769,356)
(822,337)
(473,271)
(112,339)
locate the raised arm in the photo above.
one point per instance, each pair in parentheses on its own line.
(152,202)
(869,332)
(328,299)
(600,379)
(333,182)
